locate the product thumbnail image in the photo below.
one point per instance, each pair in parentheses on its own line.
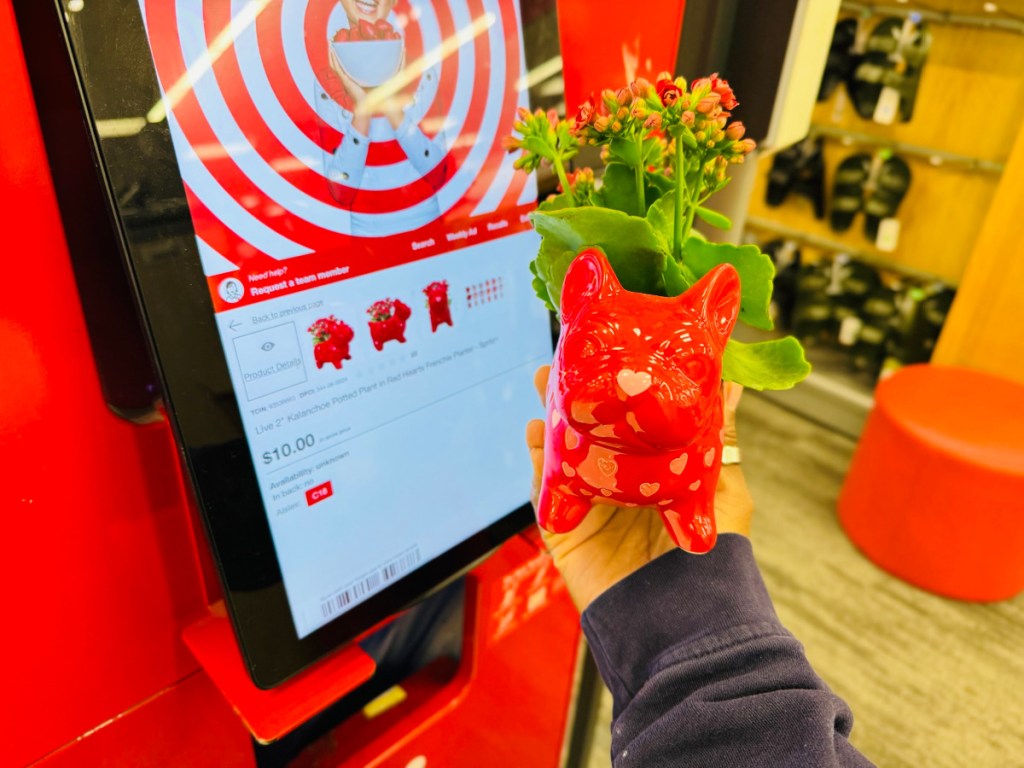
(331,338)
(387,321)
(438,303)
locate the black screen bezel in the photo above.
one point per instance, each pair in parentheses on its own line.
(160,253)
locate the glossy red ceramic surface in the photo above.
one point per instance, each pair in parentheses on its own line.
(634,401)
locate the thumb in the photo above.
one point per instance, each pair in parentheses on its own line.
(731,393)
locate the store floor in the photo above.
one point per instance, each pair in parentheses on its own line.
(932,682)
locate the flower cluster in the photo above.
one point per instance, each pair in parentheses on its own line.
(582,185)
(543,137)
(381,310)
(322,329)
(666,148)
(665,136)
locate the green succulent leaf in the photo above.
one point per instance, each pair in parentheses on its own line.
(652,152)
(659,181)
(556,202)
(660,215)
(776,364)
(624,151)
(540,287)
(714,218)
(635,251)
(618,189)
(550,266)
(755,269)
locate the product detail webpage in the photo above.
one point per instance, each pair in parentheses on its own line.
(368,268)
(404,436)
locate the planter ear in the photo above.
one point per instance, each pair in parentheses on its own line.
(589,276)
(716,297)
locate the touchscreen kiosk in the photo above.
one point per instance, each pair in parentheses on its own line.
(337,289)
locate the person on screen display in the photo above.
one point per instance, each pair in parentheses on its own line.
(388,110)
(701,671)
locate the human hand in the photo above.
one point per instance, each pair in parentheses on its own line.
(612,542)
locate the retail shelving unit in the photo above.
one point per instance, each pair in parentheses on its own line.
(969,106)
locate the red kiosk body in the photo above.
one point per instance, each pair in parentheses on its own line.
(105,571)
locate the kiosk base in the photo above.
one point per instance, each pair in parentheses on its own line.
(509,696)
(270,714)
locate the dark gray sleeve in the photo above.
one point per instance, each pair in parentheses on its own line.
(703,674)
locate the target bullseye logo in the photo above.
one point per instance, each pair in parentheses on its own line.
(277,160)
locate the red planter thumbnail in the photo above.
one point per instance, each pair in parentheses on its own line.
(634,401)
(331,339)
(387,321)
(438,303)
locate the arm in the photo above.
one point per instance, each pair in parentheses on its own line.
(702,672)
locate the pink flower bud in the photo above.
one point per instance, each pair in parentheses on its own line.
(601,122)
(708,103)
(735,131)
(745,146)
(687,118)
(511,143)
(639,87)
(616,127)
(701,84)
(653,121)
(524,113)
(623,96)
(638,109)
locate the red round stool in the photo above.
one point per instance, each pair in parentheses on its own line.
(935,493)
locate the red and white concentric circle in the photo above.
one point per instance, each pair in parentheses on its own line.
(252,103)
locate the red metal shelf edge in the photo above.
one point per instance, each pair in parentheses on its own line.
(270,714)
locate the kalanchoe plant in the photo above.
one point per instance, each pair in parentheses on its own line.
(666,148)
(380,310)
(321,329)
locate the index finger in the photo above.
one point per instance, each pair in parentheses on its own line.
(540,381)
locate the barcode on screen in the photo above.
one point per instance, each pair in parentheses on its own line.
(373,582)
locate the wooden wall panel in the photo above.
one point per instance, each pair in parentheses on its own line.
(985,329)
(971,103)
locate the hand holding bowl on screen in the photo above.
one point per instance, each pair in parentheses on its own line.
(361,70)
(370,55)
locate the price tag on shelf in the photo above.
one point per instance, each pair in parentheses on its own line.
(888,106)
(849,330)
(888,234)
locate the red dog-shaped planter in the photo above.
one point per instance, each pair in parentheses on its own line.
(332,339)
(390,327)
(438,304)
(634,405)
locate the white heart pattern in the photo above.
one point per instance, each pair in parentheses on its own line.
(649,489)
(633,382)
